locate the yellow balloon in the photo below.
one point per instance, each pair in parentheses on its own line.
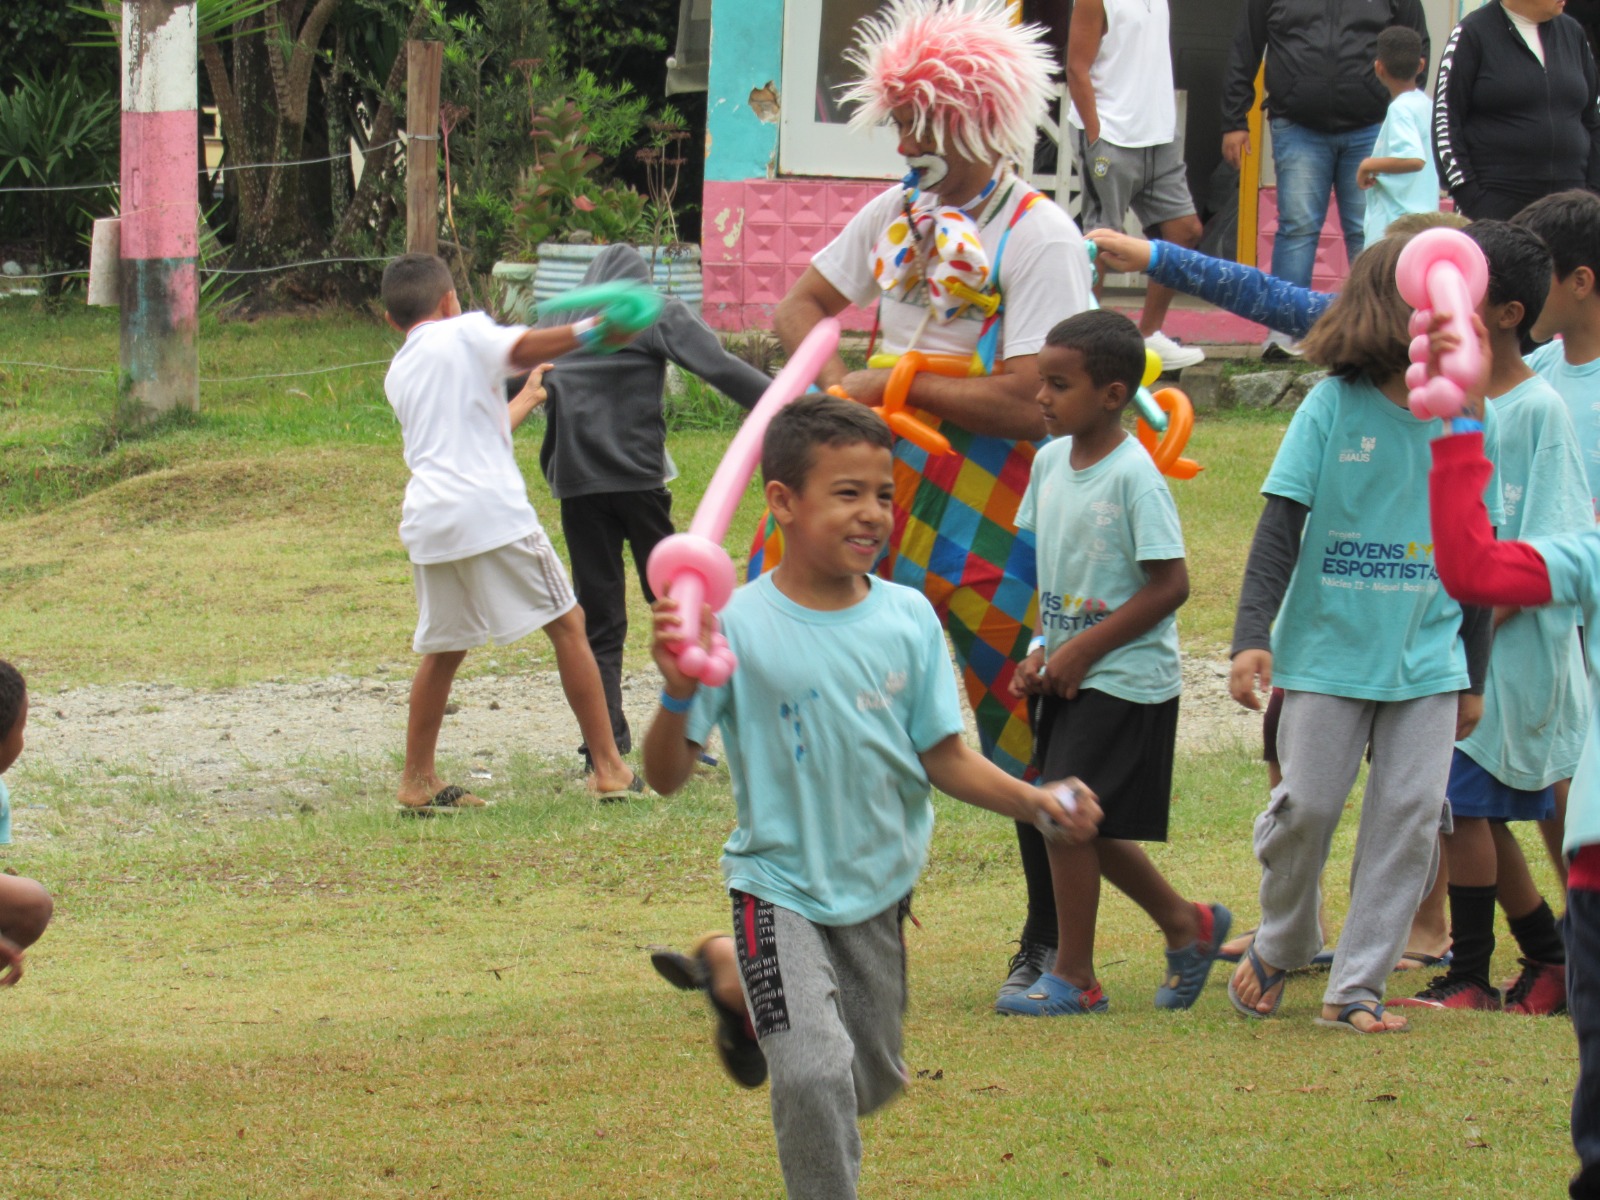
(1152,368)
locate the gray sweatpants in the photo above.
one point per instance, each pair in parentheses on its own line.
(1320,741)
(827,1004)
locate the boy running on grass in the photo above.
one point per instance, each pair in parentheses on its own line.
(840,715)
(481,563)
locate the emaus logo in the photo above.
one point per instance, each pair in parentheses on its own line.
(1368,444)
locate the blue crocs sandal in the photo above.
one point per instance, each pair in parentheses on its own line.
(1053,996)
(1266,983)
(1188,969)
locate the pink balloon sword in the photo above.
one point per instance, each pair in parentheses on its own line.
(692,567)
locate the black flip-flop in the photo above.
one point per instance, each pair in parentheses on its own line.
(445,802)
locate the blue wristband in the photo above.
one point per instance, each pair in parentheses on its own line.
(673,705)
(1465,425)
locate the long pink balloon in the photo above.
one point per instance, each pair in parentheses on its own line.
(1442,270)
(692,567)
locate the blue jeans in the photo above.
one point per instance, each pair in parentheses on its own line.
(1310,165)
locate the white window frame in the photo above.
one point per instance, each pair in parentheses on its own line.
(805,145)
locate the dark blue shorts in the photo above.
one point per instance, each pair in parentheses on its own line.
(1473,792)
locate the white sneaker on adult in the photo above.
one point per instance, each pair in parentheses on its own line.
(1279,347)
(1173,356)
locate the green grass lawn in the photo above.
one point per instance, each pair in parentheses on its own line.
(340,1004)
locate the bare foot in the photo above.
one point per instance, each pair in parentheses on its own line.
(1365,1020)
(1233,949)
(1248,987)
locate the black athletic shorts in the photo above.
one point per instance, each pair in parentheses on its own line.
(1121,749)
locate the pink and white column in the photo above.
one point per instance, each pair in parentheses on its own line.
(160,204)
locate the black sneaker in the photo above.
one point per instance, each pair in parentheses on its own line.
(735,1039)
(1031,960)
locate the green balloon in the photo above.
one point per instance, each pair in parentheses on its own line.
(624,305)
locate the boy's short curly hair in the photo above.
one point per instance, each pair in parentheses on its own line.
(1569,223)
(1112,347)
(788,451)
(13,690)
(413,285)
(1400,51)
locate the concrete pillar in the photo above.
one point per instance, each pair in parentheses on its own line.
(159,287)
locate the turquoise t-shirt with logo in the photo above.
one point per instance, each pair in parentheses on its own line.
(5,814)
(1579,387)
(1364,616)
(1093,529)
(1535,697)
(1573,563)
(1407,132)
(822,724)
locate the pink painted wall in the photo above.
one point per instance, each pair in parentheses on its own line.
(758,236)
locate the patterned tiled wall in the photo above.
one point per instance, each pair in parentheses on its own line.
(758,238)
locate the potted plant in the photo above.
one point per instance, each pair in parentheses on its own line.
(562,215)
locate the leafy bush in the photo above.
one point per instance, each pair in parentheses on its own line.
(559,196)
(55,133)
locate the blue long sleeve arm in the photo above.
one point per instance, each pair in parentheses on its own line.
(1244,291)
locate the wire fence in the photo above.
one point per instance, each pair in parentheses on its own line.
(222,170)
(205,270)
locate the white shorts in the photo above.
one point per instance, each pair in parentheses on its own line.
(500,595)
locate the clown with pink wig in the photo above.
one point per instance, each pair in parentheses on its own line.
(961,258)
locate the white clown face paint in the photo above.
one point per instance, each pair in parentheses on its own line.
(931,170)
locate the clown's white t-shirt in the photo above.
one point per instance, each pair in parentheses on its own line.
(1044,276)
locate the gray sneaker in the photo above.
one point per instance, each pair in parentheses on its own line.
(1031,960)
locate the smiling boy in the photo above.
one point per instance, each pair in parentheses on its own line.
(840,716)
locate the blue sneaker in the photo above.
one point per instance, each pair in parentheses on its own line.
(1053,996)
(1188,968)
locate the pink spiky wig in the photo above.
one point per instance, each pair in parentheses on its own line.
(975,80)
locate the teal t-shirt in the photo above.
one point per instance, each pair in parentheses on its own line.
(5,814)
(822,725)
(1407,132)
(1573,563)
(1579,386)
(1364,616)
(1535,697)
(1093,529)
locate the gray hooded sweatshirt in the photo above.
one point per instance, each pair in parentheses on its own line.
(604,426)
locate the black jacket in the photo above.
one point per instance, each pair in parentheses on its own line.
(1319,61)
(1499,116)
(604,426)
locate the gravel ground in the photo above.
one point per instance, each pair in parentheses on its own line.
(271,746)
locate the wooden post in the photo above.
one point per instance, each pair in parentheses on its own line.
(158,283)
(1250,180)
(423,61)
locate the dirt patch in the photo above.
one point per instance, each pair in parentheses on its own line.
(262,746)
